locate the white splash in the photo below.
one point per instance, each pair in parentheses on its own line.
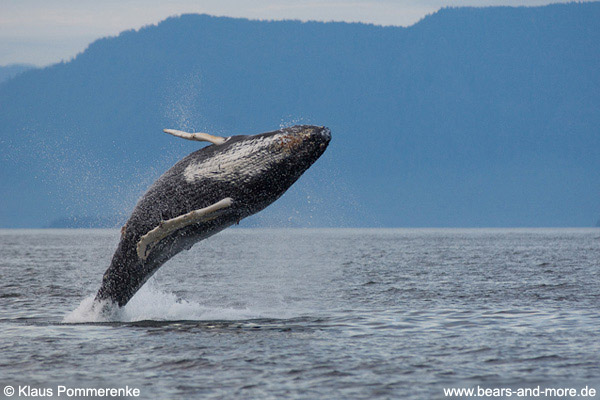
(150,303)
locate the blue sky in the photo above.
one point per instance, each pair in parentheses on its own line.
(43,32)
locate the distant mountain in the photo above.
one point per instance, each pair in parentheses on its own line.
(12,70)
(471,117)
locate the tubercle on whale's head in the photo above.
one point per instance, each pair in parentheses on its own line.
(305,141)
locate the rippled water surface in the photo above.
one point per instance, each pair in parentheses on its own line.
(308,313)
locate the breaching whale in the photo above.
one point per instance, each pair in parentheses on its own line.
(204,193)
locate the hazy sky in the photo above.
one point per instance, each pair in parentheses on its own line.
(42,32)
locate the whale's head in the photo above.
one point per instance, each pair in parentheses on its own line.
(263,166)
(298,146)
(269,163)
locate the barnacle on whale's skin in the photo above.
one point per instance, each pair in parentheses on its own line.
(291,142)
(288,143)
(204,193)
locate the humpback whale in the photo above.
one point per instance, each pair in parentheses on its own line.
(204,193)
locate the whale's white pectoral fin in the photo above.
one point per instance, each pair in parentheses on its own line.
(197,136)
(165,228)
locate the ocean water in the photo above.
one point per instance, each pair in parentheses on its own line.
(310,314)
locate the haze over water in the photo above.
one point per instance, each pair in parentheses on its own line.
(309,313)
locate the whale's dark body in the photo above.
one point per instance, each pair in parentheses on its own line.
(250,171)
